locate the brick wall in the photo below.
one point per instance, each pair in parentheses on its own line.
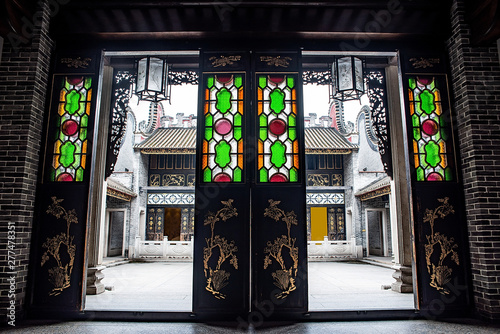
(23,81)
(476,84)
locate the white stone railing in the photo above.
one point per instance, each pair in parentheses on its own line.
(333,249)
(175,250)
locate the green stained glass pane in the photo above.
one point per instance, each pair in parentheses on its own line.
(78,146)
(277,98)
(263,120)
(84,121)
(412,83)
(262,81)
(291,120)
(263,134)
(67,154)
(294,175)
(76,164)
(432,85)
(416,134)
(210,82)
(83,133)
(237,119)
(223,103)
(444,134)
(415,120)
(237,132)
(278,157)
(292,133)
(448,174)
(263,175)
(290,81)
(207,175)
(237,174)
(437,137)
(72,102)
(62,136)
(432,154)
(208,133)
(67,85)
(52,175)
(222,154)
(423,163)
(81,110)
(88,83)
(209,120)
(79,174)
(420,174)
(238,81)
(58,121)
(427,102)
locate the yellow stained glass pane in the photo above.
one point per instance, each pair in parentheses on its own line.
(88,109)
(294,94)
(444,161)
(84,161)
(415,146)
(61,110)
(417,163)
(410,95)
(207,94)
(294,108)
(207,107)
(62,96)
(57,147)
(84,146)
(55,162)
(442,146)
(438,110)
(89,95)
(412,108)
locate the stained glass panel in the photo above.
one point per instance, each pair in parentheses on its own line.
(431,149)
(222,159)
(70,145)
(278,146)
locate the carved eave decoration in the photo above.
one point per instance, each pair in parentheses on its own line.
(119,195)
(375,193)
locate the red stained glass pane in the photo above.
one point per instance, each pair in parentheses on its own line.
(276,78)
(434,177)
(223,78)
(277,127)
(278,178)
(430,127)
(222,177)
(69,127)
(65,177)
(75,80)
(223,126)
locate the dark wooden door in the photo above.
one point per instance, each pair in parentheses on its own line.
(250,226)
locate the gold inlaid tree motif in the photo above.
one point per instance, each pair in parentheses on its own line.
(440,273)
(216,277)
(60,275)
(284,278)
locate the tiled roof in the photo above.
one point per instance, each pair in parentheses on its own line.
(183,140)
(377,188)
(326,140)
(118,190)
(169,140)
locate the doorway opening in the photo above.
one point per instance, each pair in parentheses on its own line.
(347,227)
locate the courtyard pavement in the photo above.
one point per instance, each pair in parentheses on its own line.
(167,286)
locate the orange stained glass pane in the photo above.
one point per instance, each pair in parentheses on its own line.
(442,146)
(89,95)
(294,94)
(261,147)
(240,107)
(87,111)
(84,146)
(204,162)
(205,146)
(259,94)
(415,146)
(57,147)
(260,107)
(84,161)
(261,161)
(240,146)
(61,110)
(207,107)
(295,146)
(240,93)
(240,161)
(438,110)
(55,162)
(62,96)
(294,108)
(296,161)
(207,94)
(416,161)
(412,108)
(410,94)
(444,161)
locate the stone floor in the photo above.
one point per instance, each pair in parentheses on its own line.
(167,286)
(352,327)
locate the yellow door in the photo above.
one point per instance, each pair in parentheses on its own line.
(319,223)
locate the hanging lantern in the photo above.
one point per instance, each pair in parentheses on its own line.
(347,79)
(152,80)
